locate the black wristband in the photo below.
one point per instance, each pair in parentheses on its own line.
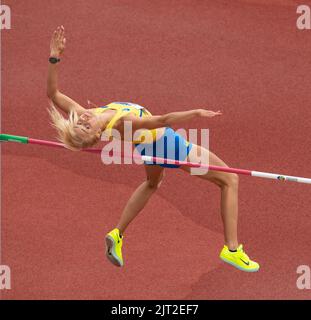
(54,60)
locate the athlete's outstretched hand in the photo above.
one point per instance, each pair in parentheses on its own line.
(208,113)
(58,42)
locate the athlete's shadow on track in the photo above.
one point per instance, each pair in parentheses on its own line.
(192,197)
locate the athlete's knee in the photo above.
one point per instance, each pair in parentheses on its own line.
(226,180)
(155,182)
(231,180)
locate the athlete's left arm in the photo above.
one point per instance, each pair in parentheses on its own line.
(169,119)
(62,101)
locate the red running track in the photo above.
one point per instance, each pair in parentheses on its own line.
(244,57)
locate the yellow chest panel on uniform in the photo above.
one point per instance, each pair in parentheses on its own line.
(123,109)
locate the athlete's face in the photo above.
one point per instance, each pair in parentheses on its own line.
(87,124)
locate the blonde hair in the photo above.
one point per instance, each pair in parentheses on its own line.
(66,133)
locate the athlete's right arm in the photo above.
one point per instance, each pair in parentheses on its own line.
(63,102)
(169,119)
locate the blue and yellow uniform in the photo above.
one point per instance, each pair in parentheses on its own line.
(170,145)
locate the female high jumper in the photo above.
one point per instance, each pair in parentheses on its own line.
(84,127)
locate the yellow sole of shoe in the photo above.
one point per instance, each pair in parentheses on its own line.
(110,253)
(237,266)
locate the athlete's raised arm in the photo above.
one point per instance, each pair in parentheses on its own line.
(63,102)
(169,119)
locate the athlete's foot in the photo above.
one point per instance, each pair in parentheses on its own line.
(238,259)
(114,247)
